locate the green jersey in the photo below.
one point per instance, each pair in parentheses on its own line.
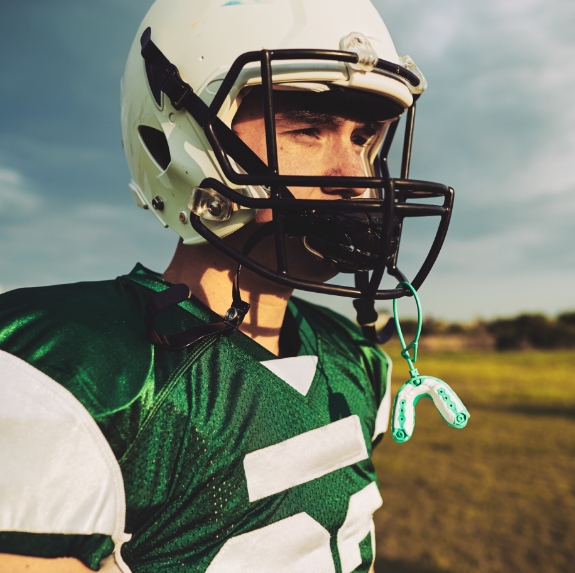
(216,458)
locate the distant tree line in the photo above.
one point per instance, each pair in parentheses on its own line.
(533,331)
(523,331)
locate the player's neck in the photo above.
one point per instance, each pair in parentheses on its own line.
(209,274)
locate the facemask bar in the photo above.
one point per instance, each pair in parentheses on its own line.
(275,181)
(395,194)
(395,188)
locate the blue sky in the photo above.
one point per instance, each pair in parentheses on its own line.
(497,123)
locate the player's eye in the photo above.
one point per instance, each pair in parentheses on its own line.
(306,132)
(360,140)
(363,138)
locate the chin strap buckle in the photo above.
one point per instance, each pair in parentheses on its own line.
(173,296)
(236,314)
(175,88)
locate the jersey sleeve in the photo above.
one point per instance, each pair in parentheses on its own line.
(61,488)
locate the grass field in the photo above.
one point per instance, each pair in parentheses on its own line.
(497,496)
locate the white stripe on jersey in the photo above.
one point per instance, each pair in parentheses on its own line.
(303,458)
(292,545)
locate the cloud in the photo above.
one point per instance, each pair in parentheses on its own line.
(430,28)
(498,121)
(498,124)
(50,242)
(15,197)
(60,70)
(501,92)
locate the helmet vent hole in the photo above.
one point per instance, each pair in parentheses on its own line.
(157,145)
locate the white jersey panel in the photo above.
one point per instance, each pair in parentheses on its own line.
(303,458)
(384,411)
(297,371)
(357,525)
(297,544)
(58,473)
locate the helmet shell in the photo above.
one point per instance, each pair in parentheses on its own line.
(203,38)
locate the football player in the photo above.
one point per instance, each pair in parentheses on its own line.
(205,420)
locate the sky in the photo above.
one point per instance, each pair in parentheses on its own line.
(497,123)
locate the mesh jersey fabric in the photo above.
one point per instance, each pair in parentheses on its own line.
(183,423)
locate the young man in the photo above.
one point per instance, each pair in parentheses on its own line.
(147,433)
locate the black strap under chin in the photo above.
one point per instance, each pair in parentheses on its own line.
(386,332)
(365,308)
(179,293)
(367,315)
(175,295)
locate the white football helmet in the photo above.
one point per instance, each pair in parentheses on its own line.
(191,63)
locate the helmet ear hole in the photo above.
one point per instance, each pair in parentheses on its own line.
(157,145)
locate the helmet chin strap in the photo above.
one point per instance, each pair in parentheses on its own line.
(178,293)
(367,315)
(365,307)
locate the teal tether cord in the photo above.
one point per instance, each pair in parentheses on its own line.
(412,345)
(445,399)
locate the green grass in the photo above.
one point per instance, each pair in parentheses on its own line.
(497,496)
(544,380)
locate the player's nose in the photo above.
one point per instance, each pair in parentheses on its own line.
(343,160)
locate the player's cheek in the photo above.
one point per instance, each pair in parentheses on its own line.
(263,216)
(299,158)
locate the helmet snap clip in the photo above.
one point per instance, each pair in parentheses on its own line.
(209,204)
(357,43)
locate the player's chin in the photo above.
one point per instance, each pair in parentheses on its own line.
(306,266)
(302,264)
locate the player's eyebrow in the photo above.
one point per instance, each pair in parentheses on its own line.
(307,117)
(300,116)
